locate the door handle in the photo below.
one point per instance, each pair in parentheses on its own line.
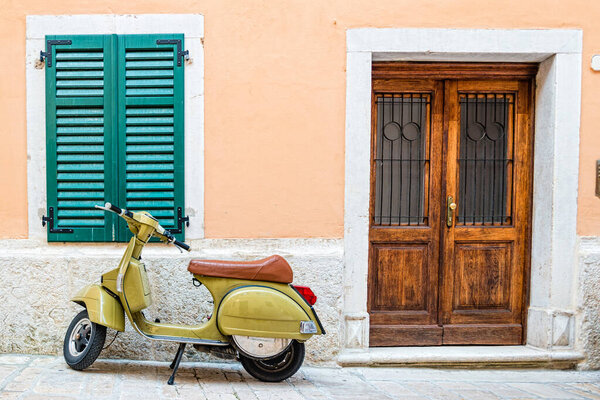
(450,207)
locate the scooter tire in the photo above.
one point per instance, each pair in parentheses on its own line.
(278,368)
(80,359)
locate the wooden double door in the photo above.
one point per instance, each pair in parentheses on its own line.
(451,192)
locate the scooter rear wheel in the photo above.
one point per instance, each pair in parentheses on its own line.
(83,342)
(278,368)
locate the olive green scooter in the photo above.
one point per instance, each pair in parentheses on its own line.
(258,318)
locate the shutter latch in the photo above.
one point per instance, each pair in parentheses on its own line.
(180,52)
(180,220)
(48,52)
(50,220)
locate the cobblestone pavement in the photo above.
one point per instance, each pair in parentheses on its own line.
(48,377)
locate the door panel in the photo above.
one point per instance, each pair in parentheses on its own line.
(482,288)
(400,273)
(405,214)
(450,210)
(484,252)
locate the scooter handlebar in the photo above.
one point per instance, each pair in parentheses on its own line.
(119,211)
(113,208)
(181,245)
(171,239)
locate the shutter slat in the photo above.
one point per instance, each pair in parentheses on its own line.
(79,139)
(80,195)
(97,214)
(80,149)
(80,93)
(80,130)
(149,177)
(149,139)
(149,167)
(149,55)
(149,130)
(81,101)
(80,158)
(149,121)
(79,112)
(80,177)
(78,56)
(148,112)
(150,185)
(152,204)
(149,101)
(149,64)
(83,65)
(80,167)
(150,83)
(150,92)
(80,185)
(149,158)
(149,148)
(164,73)
(80,74)
(80,121)
(150,195)
(68,83)
(80,222)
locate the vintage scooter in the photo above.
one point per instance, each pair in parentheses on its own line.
(259,317)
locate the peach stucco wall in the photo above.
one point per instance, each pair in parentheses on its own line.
(275,100)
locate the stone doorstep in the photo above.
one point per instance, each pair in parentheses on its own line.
(471,356)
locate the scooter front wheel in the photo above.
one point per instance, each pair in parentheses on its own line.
(83,342)
(277,368)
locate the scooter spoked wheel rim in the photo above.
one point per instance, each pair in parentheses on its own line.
(80,337)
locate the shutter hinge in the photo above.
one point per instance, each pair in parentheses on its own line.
(48,52)
(180,220)
(50,220)
(180,52)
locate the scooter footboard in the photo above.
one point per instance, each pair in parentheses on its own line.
(261,311)
(102,308)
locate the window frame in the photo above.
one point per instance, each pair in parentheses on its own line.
(38,26)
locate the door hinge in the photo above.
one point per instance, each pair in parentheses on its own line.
(48,52)
(50,220)
(180,220)
(180,52)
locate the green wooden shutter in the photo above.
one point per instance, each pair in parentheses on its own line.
(79,132)
(151,128)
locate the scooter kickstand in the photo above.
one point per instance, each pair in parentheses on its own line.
(175,364)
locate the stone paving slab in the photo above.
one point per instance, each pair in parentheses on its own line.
(48,377)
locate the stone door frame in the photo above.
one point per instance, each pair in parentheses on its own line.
(554,267)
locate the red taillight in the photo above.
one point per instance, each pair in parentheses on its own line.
(307,294)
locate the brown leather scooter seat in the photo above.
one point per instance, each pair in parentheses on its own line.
(270,269)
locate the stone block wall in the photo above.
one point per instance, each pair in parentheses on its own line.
(588,302)
(39,279)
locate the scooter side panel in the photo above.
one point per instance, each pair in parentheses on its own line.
(261,311)
(102,308)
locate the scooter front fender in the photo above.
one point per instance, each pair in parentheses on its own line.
(261,311)
(102,307)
